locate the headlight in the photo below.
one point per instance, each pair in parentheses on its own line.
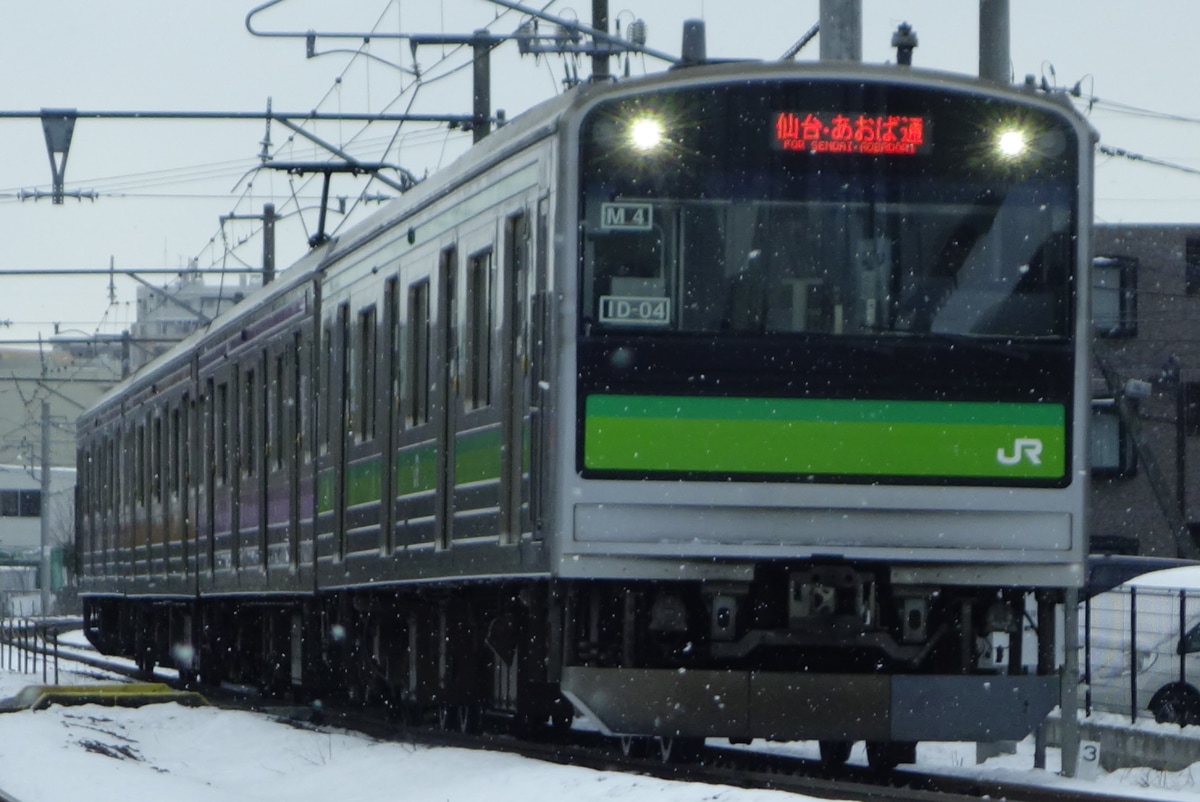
(1012,143)
(646,134)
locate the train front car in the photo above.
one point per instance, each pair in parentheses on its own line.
(830,340)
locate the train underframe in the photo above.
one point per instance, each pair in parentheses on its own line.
(822,652)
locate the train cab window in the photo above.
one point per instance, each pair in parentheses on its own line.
(744,235)
(480,303)
(629,277)
(366,384)
(419,354)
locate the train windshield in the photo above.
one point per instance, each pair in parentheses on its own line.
(827,208)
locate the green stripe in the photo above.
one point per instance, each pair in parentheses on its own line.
(802,436)
(477,455)
(325,492)
(477,458)
(416,469)
(363,482)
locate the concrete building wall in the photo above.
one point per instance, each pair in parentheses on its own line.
(69,382)
(168,315)
(21,535)
(1151,507)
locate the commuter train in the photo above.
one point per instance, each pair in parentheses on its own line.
(748,400)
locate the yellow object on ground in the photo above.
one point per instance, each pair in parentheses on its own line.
(116,694)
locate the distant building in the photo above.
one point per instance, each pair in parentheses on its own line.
(1146,390)
(21,507)
(169,314)
(68,382)
(74,369)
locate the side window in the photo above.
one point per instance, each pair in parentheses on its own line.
(129,462)
(139,457)
(278,391)
(20,503)
(1112,453)
(325,396)
(300,412)
(366,373)
(158,459)
(221,432)
(1190,408)
(1114,296)
(180,449)
(1192,266)
(250,444)
(346,376)
(30,504)
(394,355)
(480,303)
(419,342)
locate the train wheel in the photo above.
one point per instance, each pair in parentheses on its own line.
(447,716)
(835,753)
(887,755)
(470,718)
(562,716)
(408,714)
(635,746)
(678,749)
(1176,704)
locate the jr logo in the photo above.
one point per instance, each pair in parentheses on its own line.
(1023,448)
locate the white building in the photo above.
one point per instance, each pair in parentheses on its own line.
(21,507)
(166,315)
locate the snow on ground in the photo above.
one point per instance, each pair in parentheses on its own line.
(166,751)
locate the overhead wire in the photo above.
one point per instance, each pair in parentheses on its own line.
(426,77)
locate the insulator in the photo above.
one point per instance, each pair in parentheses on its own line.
(525,33)
(637,32)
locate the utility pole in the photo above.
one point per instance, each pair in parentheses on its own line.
(44,562)
(993,41)
(268,273)
(600,53)
(841,30)
(481,64)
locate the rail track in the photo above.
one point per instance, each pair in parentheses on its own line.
(709,763)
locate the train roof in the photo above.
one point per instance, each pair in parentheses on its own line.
(538,122)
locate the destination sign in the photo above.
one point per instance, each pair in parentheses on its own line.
(864,134)
(635,311)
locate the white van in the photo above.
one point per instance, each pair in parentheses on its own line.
(1144,636)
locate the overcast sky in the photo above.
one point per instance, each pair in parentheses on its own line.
(163,185)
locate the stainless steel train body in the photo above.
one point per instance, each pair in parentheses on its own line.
(744,401)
